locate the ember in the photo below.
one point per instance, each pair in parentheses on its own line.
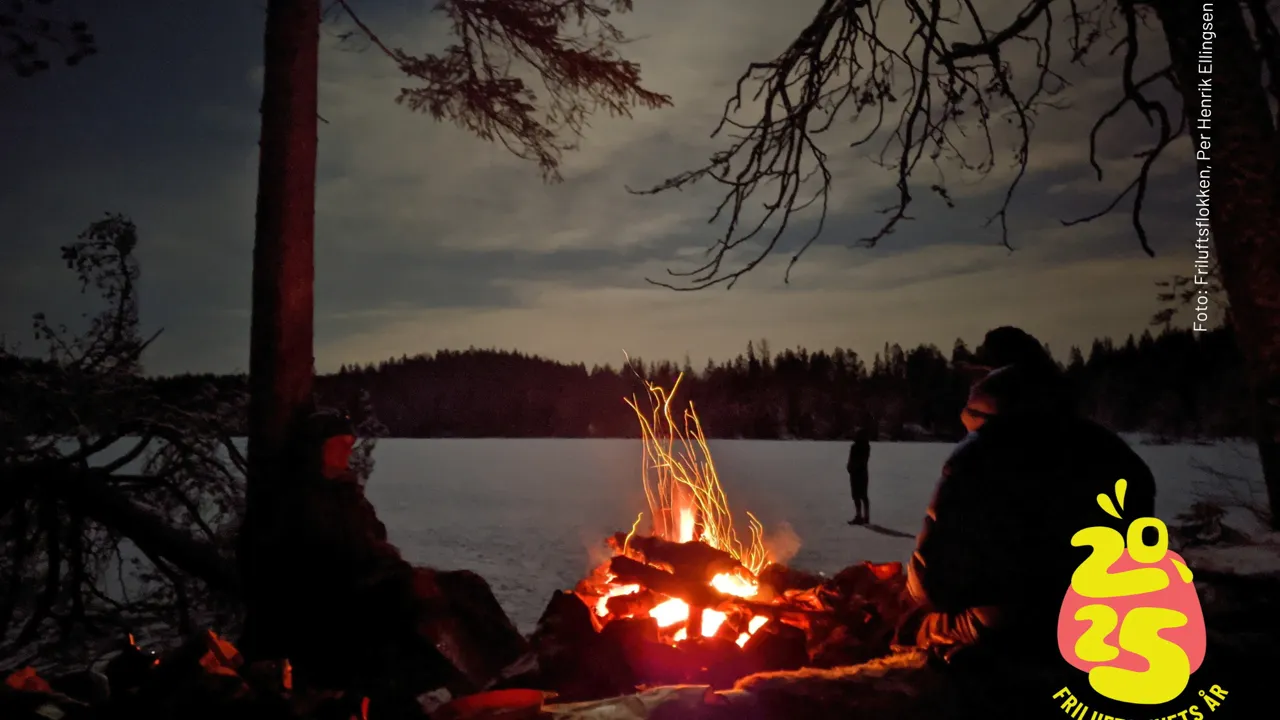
(692,556)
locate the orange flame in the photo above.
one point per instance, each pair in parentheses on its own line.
(682,487)
(687,503)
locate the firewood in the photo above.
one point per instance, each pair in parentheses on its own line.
(778,646)
(693,592)
(696,559)
(633,605)
(735,623)
(781,578)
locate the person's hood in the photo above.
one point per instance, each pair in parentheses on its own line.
(1024,389)
(326,424)
(1005,346)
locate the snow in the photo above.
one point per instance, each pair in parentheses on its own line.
(1262,559)
(530,515)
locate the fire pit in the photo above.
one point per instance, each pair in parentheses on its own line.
(689,600)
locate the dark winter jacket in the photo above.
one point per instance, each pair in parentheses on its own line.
(994,558)
(355,607)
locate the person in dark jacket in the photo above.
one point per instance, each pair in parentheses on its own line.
(994,558)
(859,477)
(354,609)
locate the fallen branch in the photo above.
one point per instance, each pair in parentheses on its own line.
(101,503)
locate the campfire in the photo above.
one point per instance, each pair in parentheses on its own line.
(690,573)
(687,599)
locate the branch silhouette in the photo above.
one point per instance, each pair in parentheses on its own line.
(475,83)
(931,93)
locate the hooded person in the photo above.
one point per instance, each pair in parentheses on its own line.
(354,608)
(994,558)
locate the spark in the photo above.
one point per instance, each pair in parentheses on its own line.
(626,544)
(678,472)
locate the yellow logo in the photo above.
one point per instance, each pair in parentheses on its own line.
(1132,618)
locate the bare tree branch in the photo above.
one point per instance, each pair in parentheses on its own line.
(66,516)
(474,83)
(948,97)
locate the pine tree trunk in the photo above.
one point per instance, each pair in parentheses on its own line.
(1243,209)
(281,365)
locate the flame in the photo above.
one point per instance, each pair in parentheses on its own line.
(686,504)
(611,591)
(682,486)
(626,544)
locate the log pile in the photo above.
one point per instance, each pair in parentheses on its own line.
(812,622)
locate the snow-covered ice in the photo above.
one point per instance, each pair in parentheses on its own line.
(531,515)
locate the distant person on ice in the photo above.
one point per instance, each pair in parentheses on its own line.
(994,558)
(859,457)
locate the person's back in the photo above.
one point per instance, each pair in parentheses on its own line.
(999,532)
(994,558)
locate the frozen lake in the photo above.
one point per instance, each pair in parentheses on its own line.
(531,515)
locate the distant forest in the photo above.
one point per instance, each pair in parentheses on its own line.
(1175,385)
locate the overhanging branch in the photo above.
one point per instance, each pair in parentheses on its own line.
(949,99)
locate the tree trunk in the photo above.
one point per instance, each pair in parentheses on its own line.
(1243,196)
(281,365)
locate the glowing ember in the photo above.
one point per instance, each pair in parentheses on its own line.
(686,505)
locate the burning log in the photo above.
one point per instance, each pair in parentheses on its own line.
(688,559)
(694,591)
(781,578)
(639,603)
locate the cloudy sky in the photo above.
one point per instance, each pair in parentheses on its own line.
(430,239)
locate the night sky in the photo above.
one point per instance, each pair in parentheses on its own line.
(428,238)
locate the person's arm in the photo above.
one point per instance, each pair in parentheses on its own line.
(950,546)
(853,454)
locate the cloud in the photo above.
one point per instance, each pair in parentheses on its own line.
(850,298)
(429,238)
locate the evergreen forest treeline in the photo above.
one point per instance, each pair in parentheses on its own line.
(1174,385)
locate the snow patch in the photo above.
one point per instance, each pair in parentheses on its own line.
(1259,559)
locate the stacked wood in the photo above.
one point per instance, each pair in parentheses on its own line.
(689,559)
(694,590)
(812,621)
